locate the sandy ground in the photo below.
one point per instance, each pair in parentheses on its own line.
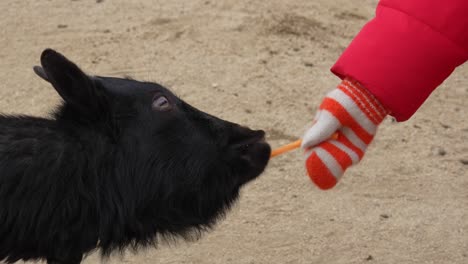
(265,64)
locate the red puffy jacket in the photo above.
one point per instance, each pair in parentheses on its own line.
(407,50)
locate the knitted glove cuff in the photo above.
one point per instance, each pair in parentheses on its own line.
(366,101)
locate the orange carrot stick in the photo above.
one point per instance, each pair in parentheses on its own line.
(294,145)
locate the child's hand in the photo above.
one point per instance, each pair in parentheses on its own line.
(351,112)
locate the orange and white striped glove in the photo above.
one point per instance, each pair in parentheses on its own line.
(353,114)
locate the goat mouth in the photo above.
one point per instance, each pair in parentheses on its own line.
(255,156)
(250,155)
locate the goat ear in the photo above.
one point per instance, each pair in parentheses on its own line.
(41,73)
(73,85)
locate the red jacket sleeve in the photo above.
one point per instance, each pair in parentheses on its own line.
(407,50)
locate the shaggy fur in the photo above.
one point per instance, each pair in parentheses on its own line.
(121,164)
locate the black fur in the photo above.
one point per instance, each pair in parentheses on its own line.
(121,164)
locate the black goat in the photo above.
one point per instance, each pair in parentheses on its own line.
(121,164)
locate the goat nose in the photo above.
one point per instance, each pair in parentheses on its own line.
(242,136)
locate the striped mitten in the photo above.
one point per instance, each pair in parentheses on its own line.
(353,114)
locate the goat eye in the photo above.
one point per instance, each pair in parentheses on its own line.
(161,103)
